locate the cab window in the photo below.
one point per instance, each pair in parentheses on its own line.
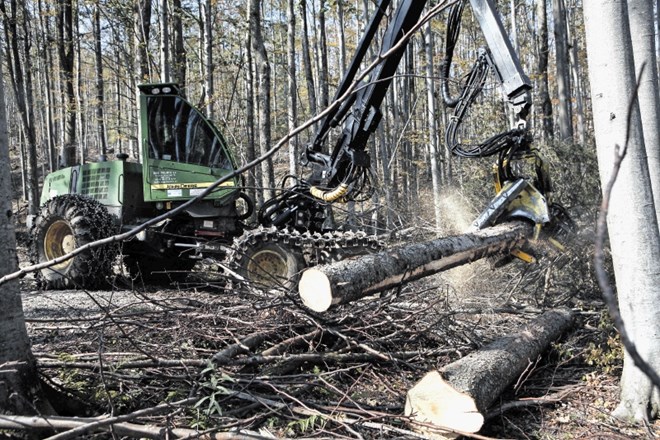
(178,132)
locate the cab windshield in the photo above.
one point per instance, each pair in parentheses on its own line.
(178,132)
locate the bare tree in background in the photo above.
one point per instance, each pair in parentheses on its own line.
(292,85)
(263,93)
(643,41)
(19,62)
(545,109)
(66,54)
(564,115)
(632,224)
(100,84)
(21,393)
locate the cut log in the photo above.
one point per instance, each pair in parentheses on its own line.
(456,397)
(323,286)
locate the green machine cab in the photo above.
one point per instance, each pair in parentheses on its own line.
(181,154)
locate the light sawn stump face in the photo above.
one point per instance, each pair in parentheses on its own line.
(455,410)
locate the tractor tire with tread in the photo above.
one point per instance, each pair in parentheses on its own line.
(271,265)
(63,224)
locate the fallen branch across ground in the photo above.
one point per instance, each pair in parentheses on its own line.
(323,286)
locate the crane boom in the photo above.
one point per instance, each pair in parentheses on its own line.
(344,173)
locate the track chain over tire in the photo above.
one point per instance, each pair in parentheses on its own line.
(299,250)
(67,222)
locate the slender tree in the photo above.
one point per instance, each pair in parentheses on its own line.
(263,92)
(564,114)
(632,224)
(21,389)
(292,85)
(19,62)
(341,23)
(164,41)
(142,35)
(306,59)
(643,41)
(66,55)
(180,61)
(545,109)
(209,68)
(254,177)
(432,125)
(100,83)
(323,58)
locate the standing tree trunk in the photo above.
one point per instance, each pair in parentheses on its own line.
(45,53)
(164,42)
(323,65)
(433,126)
(307,61)
(342,35)
(577,86)
(293,86)
(81,96)
(142,35)
(142,24)
(65,46)
(179,48)
(263,93)
(20,68)
(254,177)
(100,86)
(643,41)
(21,392)
(565,118)
(632,225)
(545,109)
(208,49)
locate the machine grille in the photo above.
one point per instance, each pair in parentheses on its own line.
(95,183)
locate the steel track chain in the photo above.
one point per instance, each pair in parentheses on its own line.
(316,248)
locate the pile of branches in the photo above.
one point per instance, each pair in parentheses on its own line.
(247,361)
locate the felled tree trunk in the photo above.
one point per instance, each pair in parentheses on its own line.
(323,286)
(455,397)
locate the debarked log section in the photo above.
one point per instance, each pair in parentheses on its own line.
(323,286)
(455,397)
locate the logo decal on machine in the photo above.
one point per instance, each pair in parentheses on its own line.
(169,186)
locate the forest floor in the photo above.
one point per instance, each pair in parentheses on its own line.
(282,371)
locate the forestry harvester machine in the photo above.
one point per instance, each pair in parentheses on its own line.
(184,156)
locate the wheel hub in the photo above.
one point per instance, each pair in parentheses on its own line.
(59,240)
(267,268)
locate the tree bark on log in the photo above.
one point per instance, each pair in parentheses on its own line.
(456,397)
(323,286)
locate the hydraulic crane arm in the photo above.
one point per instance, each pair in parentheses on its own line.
(515,84)
(344,172)
(361,114)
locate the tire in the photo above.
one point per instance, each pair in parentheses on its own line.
(158,271)
(271,265)
(63,224)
